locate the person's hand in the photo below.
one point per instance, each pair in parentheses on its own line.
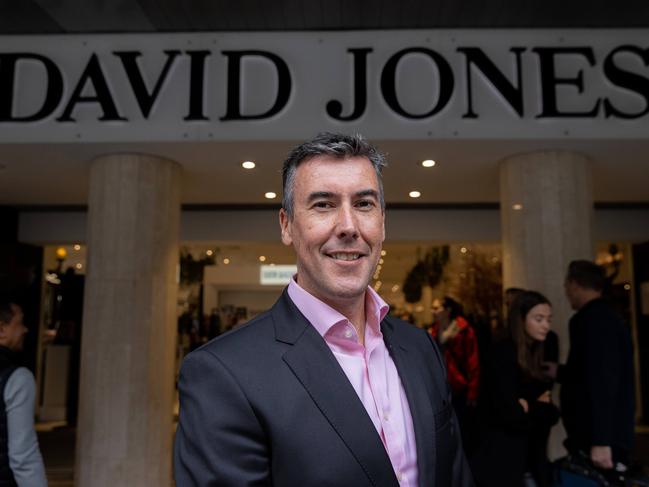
(450,332)
(545,397)
(524,404)
(601,456)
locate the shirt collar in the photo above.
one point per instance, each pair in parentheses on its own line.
(323,317)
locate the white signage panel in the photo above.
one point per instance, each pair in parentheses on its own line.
(273,275)
(416,84)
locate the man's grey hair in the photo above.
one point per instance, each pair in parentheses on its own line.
(337,146)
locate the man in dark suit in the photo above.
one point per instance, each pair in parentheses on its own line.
(324,389)
(597,395)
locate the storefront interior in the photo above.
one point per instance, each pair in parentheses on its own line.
(219,288)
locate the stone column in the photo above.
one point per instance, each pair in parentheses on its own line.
(129,330)
(546,208)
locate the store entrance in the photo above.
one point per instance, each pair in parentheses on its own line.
(223,284)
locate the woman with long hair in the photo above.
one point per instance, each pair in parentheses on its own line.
(516,406)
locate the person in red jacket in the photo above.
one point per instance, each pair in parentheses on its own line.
(458,340)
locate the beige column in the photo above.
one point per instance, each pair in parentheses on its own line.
(546,208)
(129,332)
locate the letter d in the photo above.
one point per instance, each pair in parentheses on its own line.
(8,62)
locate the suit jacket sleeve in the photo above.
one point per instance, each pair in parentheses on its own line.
(219,440)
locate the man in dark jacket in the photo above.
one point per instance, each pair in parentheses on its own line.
(325,388)
(597,397)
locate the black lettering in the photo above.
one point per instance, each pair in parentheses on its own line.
(549,80)
(196,85)
(233,108)
(628,80)
(388,82)
(53,94)
(95,76)
(335,108)
(513,95)
(145,100)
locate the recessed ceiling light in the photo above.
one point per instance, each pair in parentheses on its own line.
(428,163)
(248,165)
(464,250)
(77,247)
(226,261)
(79,266)
(270,195)
(209,252)
(414,194)
(517,206)
(262,258)
(384,253)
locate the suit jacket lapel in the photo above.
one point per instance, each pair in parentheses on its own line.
(316,368)
(412,375)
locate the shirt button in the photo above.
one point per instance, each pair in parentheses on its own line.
(386,417)
(348,333)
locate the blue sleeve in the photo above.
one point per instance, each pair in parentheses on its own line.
(25,458)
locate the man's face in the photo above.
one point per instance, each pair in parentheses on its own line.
(337,227)
(12,334)
(441,314)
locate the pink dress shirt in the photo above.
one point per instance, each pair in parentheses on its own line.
(372,373)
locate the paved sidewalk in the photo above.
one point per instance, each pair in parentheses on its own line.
(57,443)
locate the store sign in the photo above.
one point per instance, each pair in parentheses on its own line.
(273,275)
(392,84)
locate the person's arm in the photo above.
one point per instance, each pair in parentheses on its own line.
(551,355)
(219,440)
(542,411)
(472,366)
(502,395)
(603,366)
(25,458)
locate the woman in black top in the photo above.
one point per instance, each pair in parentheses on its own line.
(516,406)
